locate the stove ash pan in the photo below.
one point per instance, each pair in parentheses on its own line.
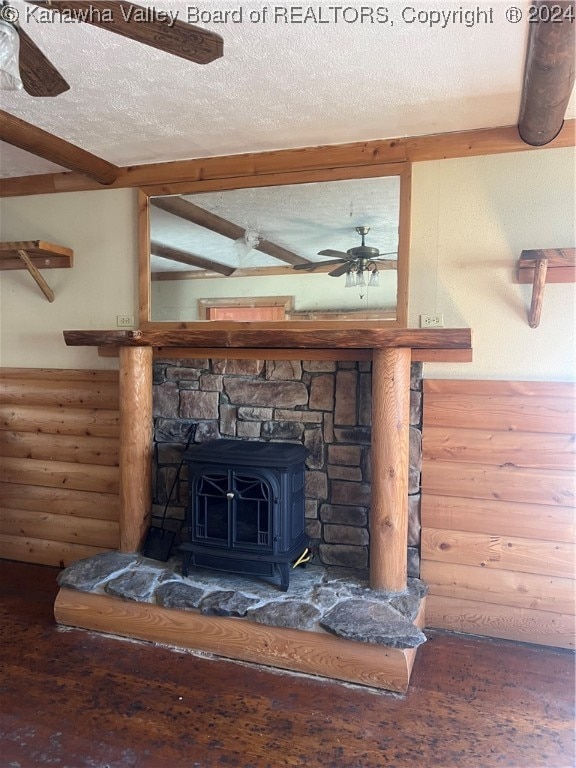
(245,509)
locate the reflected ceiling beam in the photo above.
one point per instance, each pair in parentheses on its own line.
(185,257)
(193,213)
(198,274)
(38,142)
(549,72)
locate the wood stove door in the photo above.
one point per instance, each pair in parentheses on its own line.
(233,509)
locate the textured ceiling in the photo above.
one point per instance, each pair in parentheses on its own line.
(279,85)
(304,218)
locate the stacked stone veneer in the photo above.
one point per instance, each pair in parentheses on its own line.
(322,404)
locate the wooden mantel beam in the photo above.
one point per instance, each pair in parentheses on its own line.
(286,334)
(38,142)
(549,71)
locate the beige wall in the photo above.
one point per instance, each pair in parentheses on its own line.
(100,227)
(470,220)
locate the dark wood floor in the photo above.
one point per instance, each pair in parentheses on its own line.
(73,699)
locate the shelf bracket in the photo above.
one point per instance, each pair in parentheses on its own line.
(540,270)
(42,284)
(552,265)
(34,255)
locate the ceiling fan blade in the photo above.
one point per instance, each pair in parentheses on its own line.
(144,25)
(39,76)
(330,252)
(380,255)
(343,268)
(312,265)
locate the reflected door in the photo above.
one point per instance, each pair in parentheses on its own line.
(246,314)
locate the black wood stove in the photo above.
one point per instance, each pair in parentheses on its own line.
(245,507)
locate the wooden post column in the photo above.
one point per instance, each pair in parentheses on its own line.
(390,467)
(135,446)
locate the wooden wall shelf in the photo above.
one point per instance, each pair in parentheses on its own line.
(34,255)
(546,265)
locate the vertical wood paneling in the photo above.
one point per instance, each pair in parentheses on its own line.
(498,533)
(59,440)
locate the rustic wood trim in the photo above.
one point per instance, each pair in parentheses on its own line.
(549,72)
(502,518)
(503,621)
(52,393)
(60,419)
(283,334)
(509,553)
(55,474)
(59,374)
(522,449)
(403,258)
(521,413)
(547,265)
(36,276)
(418,355)
(507,482)
(144,267)
(204,274)
(390,462)
(29,549)
(509,388)
(61,501)
(163,178)
(135,446)
(83,449)
(38,142)
(317,175)
(316,653)
(494,585)
(62,528)
(42,254)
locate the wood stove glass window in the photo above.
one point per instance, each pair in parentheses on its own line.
(234,509)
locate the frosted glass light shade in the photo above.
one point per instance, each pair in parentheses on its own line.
(9,54)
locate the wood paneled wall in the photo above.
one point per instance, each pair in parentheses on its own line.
(498,529)
(59,476)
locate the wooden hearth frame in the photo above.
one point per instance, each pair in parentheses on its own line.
(391,351)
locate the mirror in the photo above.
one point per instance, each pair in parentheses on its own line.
(327,248)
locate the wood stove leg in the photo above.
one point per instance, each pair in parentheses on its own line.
(135,446)
(390,467)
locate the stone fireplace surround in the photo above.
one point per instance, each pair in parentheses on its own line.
(323,404)
(390,350)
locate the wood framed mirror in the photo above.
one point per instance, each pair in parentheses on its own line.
(326,244)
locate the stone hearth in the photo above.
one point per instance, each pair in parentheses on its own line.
(320,599)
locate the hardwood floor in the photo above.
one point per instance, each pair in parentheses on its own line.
(73,699)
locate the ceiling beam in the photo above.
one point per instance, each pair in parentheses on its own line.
(269,168)
(185,257)
(549,71)
(38,142)
(184,209)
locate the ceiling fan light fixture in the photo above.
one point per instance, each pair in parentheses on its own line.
(374,278)
(245,245)
(350,279)
(9,55)
(360,278)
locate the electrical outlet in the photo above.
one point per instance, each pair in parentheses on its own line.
(125,321)
(432,321)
